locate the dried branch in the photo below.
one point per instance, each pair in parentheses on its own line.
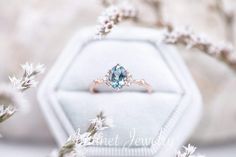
(187,38)
(227,15)
(11,97)
(188,152)
(112,16)
(222,52)
(74,147)
(27,80)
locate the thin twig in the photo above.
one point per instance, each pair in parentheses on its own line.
(112,16)
(222,52)
(27,80)
(20,85)
(75,144)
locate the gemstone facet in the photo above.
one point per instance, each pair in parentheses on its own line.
(117,77)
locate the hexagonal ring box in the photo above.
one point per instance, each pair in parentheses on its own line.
(169,113)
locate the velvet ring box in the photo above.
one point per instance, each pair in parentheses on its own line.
(170,112)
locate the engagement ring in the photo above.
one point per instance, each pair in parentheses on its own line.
(117,78)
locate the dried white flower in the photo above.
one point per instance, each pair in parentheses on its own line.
(223,52)
(190,149)
(74,146)
(12,97)
(112,16)
(188,152)
(27,80)
(101,122)
(11,100)
(84,139)
(30,70)
(98,123)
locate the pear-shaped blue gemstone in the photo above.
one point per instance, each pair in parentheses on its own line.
(117,77)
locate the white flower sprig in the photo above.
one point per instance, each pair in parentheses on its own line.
(13,100)
(186,37)
(8,97)
(112,16)
(74,147)
(28,79)
(188,152)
